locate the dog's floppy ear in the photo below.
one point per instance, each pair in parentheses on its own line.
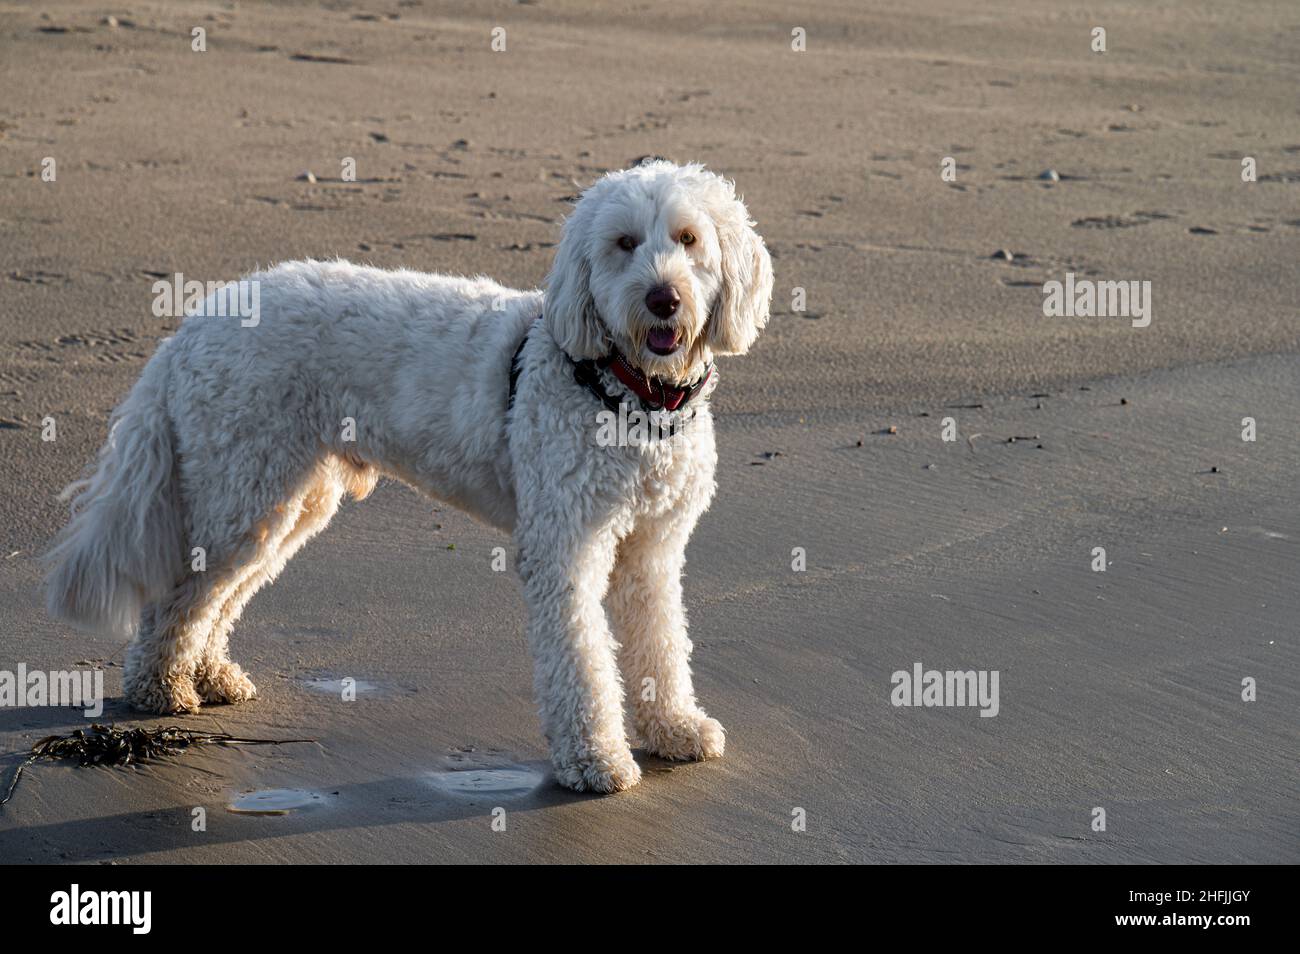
(570,310)
(741,310)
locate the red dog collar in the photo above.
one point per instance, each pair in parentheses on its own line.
(654,394)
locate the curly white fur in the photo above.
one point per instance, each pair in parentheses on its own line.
(234,440)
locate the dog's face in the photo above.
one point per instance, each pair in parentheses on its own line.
(662,261)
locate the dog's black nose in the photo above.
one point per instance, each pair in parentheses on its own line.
(663,301)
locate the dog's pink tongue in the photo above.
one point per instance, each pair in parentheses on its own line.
(662,339)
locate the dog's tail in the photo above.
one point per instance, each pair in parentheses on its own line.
(123,547)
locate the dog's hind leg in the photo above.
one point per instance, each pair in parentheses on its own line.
(160,662)
(164,669)
(219,679)
(179,655)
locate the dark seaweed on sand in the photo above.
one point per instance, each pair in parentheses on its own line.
(109,745)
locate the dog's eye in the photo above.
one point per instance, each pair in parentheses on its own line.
(687,238)
(627,243)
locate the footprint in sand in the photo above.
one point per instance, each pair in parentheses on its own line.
(468,773)
(276,801)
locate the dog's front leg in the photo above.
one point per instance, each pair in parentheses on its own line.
(576,675)
(645,603)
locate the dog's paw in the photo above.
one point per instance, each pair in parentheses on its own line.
(226,683)
(164,696)
(601,774)
(688,739)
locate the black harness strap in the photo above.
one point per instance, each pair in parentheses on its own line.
(587,373)
(514,365)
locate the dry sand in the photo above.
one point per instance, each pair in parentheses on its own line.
(1119,690)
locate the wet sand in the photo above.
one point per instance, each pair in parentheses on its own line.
(1119,690)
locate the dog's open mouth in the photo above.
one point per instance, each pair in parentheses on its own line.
(662,340)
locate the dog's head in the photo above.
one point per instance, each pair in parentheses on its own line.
(662,261)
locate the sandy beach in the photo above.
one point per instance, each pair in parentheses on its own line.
(901,300)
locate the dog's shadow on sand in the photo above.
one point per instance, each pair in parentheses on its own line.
(394,800)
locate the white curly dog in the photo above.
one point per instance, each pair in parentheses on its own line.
(241,438)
